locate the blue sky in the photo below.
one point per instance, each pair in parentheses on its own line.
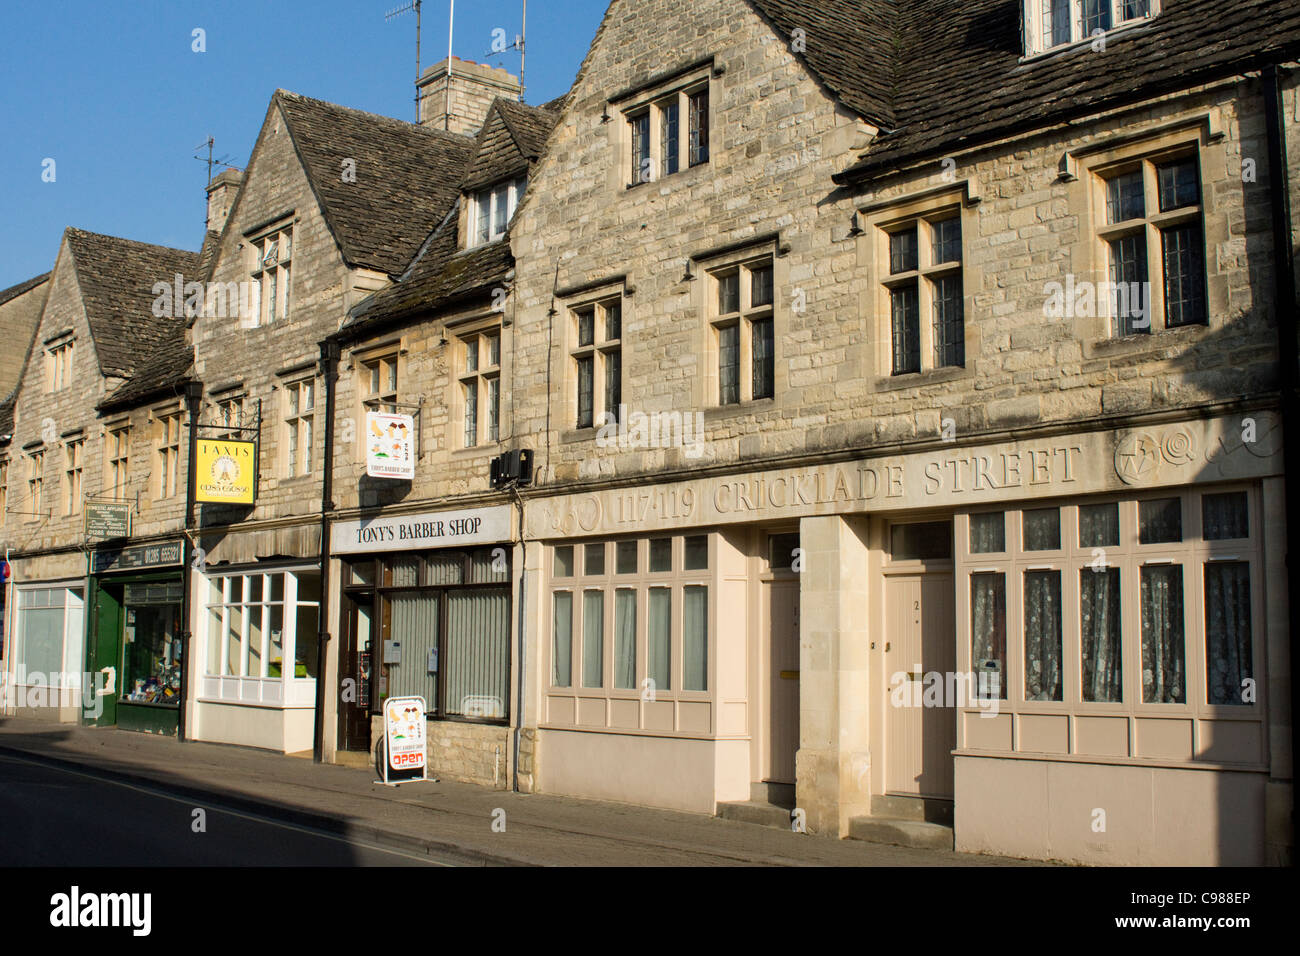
(114,94)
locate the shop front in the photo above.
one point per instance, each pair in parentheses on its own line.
(135,647)
(1060,648)
(43,658)
(425,610)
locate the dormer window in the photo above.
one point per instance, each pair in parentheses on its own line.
(492,209)
(1051,24)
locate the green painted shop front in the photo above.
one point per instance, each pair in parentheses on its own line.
(135,636)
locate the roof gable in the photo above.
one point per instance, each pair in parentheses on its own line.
(406,177)
(116,278)
(512,137)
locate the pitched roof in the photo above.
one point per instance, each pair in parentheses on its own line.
(116,278)
(942,75)
(407,176)
(442,275)
(850,45)
(14,291)
(164,372)
(965,82)
(513,135)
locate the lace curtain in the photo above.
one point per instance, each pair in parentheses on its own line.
(1099,622)
(988,592)
(1227,630)
(1099,526)
(988,533)
(1163,680)
(1043,635)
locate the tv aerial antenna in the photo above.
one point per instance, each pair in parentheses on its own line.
(414,6)
(519,44)
(223,161)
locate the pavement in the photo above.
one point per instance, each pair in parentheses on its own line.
(444,822)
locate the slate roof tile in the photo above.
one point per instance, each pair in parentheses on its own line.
(407,176)
(116,278)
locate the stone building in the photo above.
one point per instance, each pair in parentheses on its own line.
(894,398)
(969,528)
(97,420)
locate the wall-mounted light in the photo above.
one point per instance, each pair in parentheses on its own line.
(855,228)
(688,276)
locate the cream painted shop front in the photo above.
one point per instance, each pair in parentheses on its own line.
(1117,599)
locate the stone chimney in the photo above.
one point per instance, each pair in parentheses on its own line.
(473,87)
(221,196)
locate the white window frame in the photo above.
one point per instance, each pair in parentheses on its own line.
(1193,553)
(271,253)
(169,451)
(118,452)
(299,426)
(1036,22)
(74,450)
(478,377)
(71,658)
(508,191)
(59,365)
(287,690)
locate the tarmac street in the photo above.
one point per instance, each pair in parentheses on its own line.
(73,795)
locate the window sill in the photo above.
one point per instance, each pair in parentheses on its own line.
(1127,27)
(929,376)
(723,412)
(476,451)
(1139,343)
(629,188)
(574,435)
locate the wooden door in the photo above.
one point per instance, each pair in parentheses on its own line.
(356,664)
(104,659)
(781,723)
(921,656)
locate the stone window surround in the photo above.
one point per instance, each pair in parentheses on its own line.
(641,582)
(167,448)
(59,353)
(678,88)
(704,298)
(873,257)
(35,481)
(479,328)
(74,452)
(1087,199)
(112,458)
(224,402)
(591,295)
(305,416)
(1036,41)
(1071,560)
(255,241)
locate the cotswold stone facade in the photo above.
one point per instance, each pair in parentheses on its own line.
(897,409)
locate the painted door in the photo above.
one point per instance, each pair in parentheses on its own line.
(921,727)
(104,658)
(781,625)
(356,667)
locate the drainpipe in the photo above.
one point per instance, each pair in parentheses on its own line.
(193,395)
(523,641)
(329,357)
(1284,298)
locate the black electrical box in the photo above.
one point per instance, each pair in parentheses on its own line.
(512,466)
